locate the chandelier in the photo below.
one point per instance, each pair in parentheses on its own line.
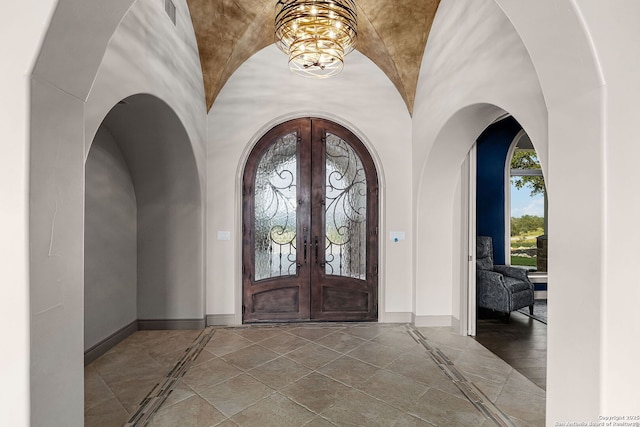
(316,34)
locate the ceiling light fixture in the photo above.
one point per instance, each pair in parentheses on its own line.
(316,34)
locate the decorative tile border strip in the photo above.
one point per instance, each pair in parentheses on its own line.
(477,398)
(156,397)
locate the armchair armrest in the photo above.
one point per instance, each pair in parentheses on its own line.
(490,279)
(492,292)
(518,273)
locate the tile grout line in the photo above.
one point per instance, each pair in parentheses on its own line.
(157,396)
(477,398)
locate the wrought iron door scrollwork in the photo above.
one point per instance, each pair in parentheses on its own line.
(345,210)
(275,210)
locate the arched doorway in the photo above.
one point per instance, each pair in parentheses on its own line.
(143,233)
(310,226)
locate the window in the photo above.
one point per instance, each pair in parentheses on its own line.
(528,207)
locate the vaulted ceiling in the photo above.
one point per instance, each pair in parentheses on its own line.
(393,34)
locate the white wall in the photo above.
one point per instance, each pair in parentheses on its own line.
(572,84)
(582,59)
(613,27)
(81,61)
(263,93)
(475,67)
(110,260)
(20,39)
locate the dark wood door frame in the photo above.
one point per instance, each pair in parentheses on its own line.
(309,293)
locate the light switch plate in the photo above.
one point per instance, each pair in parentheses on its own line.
(224,235)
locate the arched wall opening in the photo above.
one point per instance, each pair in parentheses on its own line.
(143,226)
(567,73)
(438,221)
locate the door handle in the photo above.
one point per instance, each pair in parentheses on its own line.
(304,251)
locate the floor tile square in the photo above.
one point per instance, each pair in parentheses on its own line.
(525,406)
(284,343)
(273,411)
(356,408)
(313,333)
(316,392)
(193,411)
(394,389)
(396,338)
(236,394)
(367,331)
(258,333)
(250,357)
(225,342)
(341,342)
(312,355)
(279,372)
(444,409)
(108,413)
(376,354)
(349,371)
(212,372)
(416,368)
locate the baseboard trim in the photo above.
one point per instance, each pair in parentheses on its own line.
(139,325)
(540,294)
(170,324)
(396,317)
(432,321)
(108,343)
(455,323)
(221,319)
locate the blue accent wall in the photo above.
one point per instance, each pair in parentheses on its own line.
(493,147)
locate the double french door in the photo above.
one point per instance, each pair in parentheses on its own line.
(310,226)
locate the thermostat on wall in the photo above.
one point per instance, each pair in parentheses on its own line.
(396,236)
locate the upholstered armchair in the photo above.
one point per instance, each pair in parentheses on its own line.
(500,287)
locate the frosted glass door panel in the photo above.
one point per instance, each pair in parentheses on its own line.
(345,211)
(275,210)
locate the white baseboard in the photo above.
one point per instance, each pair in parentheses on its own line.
(432,321)
(395,317)
(540,294)
(221,319)
(455,323)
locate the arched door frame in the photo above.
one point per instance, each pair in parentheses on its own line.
(237,316)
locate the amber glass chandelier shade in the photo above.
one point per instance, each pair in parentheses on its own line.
(316,34)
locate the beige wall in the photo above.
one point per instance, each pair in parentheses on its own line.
(94,56)
(590,94)
(110,250)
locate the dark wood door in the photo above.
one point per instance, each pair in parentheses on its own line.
(310,226)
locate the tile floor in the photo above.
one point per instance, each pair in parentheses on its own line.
(312,375)
(522,343)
